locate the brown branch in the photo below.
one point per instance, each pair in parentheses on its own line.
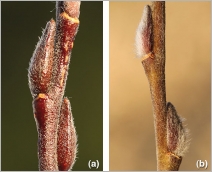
(48,72)
(171,138)
(155,71)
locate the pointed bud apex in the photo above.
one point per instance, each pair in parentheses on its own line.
(40,67)
(67,138)
(144,33)
(177,135)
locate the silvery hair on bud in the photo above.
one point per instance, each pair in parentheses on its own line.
(144,33)
(177,135)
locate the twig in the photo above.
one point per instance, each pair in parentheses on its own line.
(171,138)
(48,72)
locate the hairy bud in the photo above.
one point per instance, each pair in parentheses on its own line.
(177,135)
(40,67)
(67,138)
(144,33)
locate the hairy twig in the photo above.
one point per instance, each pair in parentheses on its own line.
(171,138)
(48,72)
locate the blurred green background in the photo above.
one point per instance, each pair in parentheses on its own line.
(22,23)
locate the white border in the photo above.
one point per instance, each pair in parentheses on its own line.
(105,85)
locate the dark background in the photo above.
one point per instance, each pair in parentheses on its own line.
(22,23)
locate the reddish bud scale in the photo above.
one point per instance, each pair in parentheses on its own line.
(67,138)
(40,68)
(173,122)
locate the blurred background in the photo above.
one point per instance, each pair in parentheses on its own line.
(188,83)
(22,24)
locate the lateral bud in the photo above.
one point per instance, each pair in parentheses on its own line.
(144,34)
(177,135)
(40,66)
(67,138)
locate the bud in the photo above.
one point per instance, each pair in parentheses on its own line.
(67,138)
(144,33)
(40,66)
(177,135)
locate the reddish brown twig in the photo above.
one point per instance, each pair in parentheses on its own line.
(171,141)
(48,72)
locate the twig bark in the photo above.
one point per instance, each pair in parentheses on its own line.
(48,72)
(171,138)
(155,70)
